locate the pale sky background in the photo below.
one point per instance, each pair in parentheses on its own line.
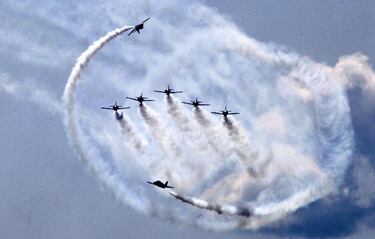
(45,192)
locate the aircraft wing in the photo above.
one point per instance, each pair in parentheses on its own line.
(130,98)
(146,20)
(175,92)
(216,113)
(106,108)
(187,103)
(203,104)
(159,91)
(123,108)
(234,113)
(137,30)
(148,100)
(131,32)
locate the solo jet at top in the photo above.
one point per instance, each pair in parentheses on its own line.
(140,99)
(225,112)
(168,91)
(160,184)
(195,103)
(115,107)
(138,27)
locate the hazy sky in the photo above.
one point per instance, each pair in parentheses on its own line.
(47,193)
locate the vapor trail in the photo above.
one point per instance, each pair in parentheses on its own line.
(160,132)
(101,169)
(216,139)
(179,115)
(196,137)
(172,152)
(220,209)
(127,129)
(241,145)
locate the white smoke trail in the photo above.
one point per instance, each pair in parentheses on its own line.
(196,138)
(127,129)
(170,151)
(160,132)
(247,154)
(179,115)
(216,139)
(220,209)
(201,142)
(102,170)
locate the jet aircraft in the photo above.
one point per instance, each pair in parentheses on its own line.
(138,27)
(195,103)
(115,107)
(160,184)
(140,99)
(225,112)
(168,91)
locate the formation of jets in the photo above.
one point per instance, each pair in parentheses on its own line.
(168,91)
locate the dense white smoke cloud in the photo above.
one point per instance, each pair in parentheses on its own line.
(290,146)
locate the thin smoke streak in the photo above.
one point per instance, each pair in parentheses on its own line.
(127,129)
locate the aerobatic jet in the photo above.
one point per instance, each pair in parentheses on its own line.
(138,27)
(168,91)
(195,103)
(160,184)
(115,107)
(140,99)
(225,112)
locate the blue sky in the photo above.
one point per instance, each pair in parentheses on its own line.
(48,193)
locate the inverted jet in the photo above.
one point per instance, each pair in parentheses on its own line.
(160,184)
(138,27)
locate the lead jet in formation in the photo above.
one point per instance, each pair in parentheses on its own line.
(140,99)
(196,103)
(115,107)
(225,112)
(168,91)
(138,27)
(160,184)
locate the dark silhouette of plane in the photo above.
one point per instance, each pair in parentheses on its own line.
(160,184)
(138,27)
(225,112)
(168,91)
(140,99)
(195,103)
(115,107)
